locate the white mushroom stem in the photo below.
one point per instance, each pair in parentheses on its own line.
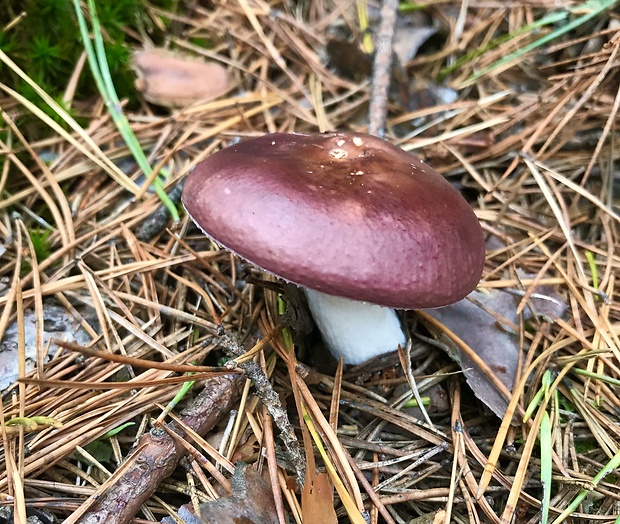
(353,330)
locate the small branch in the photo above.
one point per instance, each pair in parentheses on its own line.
(382,69)
(270,399)
(251,501)
(155,457)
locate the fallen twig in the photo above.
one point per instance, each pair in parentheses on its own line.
(270,399)
(382,69)
(155,457)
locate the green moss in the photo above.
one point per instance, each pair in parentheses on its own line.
(46,44)
(42,248)
(40,239)
(205,43)
(586,445)
(43,43)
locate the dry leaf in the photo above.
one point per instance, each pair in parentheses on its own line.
(410,34)
(250,503)
(438,517)
(173,79)
(247,451)
(58,324)
(491,342)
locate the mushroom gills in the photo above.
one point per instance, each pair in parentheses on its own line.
(355,330)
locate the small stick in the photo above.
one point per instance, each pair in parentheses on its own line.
(269,398)
(155,456)
(382,69)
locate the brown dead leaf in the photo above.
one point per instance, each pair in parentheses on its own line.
(317,500)
(173,79)
(485,323)
(410,34)
(348,59)
(247,451)
(438,517)
(493,343)
(250,503)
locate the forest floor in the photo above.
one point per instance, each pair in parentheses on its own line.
(515,103)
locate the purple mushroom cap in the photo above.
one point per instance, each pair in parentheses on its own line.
(347,214)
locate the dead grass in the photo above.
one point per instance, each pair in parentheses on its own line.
(534,143)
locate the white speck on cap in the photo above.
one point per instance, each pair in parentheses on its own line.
(338,154)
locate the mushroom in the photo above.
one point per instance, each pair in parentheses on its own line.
(360,224)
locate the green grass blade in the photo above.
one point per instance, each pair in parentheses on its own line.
(597,376)
(593,268)
(90,53)
(544,389)
(592,9)
(614,463)
(287,337)
(546,466)
(551,18)
(185,388)
(101,72)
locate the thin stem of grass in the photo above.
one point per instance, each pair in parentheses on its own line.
(597,376)
(552,18)
(544,389)
(607,469)
(593,269)
(590,9)
(101,72)
(546,445)
(287,337)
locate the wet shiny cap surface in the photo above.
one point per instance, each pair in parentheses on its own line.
(347,214)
